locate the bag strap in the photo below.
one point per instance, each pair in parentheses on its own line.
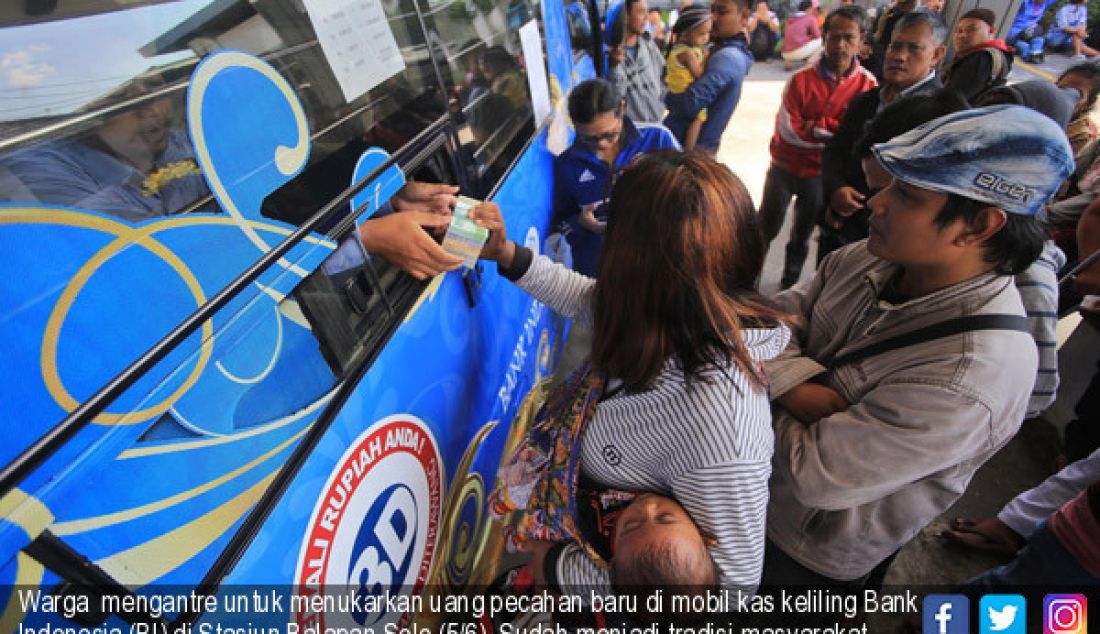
(932,332)
(1000,67)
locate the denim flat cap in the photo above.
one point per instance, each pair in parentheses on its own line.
(1008,156)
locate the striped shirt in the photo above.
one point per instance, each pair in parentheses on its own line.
(709,447)
(1038,287)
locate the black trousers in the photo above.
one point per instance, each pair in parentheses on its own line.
(779,187)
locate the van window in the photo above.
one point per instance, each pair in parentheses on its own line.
(108,134)
(353,304)
(485,75)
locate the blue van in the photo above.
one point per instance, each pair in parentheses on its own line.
(209,384)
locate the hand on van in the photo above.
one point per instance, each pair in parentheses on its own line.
(436,198)
(810,402)
(497,248)
(402,239)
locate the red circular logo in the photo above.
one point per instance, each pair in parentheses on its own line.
(373,532)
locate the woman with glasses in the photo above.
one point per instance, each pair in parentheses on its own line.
(584,173)
(674,396)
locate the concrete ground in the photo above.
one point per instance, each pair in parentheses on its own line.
(1025,461)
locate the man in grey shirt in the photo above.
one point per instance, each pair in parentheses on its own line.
(637,65)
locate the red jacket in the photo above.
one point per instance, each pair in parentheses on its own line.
(813,105)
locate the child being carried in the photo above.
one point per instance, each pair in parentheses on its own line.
(646,540)
(687,60)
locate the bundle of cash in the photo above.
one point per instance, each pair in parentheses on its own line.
(464,236)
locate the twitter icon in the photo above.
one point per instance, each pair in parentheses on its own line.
(1003,614)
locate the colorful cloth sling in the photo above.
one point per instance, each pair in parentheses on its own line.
(541,479)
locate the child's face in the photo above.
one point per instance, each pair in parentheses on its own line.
(655,519)
(700,35)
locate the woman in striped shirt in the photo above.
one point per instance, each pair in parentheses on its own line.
(681,334)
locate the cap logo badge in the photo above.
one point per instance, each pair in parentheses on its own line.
(1004,187)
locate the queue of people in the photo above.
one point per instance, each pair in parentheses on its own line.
(916,350)
(903,365)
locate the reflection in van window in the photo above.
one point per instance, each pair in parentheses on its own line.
(136,164)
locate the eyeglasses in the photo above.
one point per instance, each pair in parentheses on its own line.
(594,139)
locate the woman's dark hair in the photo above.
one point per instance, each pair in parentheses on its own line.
(1012,249)
(852,12)
(905,114)
(1090,71)
(591,98)
(681,257)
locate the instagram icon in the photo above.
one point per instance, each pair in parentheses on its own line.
(1065,614)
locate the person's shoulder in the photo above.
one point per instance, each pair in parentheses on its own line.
(854,259)
(656,136)
(807,74)
(571,160)
(865,77)
(677,49)
(731,55)
(805,80)
(865,99)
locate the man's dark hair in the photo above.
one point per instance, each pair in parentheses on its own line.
(1089,71)
(670,570)
(985,15)
(745,5)
(1012,249)
(852,12)
(905,114)
(805,5)
(931,19)
(592,97)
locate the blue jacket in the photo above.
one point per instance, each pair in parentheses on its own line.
(718,90)
(581,178)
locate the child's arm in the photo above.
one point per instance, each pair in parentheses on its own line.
(691,61)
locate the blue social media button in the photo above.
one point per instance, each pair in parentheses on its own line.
(1003,614)
(946,614)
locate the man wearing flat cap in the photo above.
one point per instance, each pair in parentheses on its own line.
(913,363)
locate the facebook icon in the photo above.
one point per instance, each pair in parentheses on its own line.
(946,614)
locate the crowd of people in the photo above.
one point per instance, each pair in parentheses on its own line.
(726,439)
(736,441)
